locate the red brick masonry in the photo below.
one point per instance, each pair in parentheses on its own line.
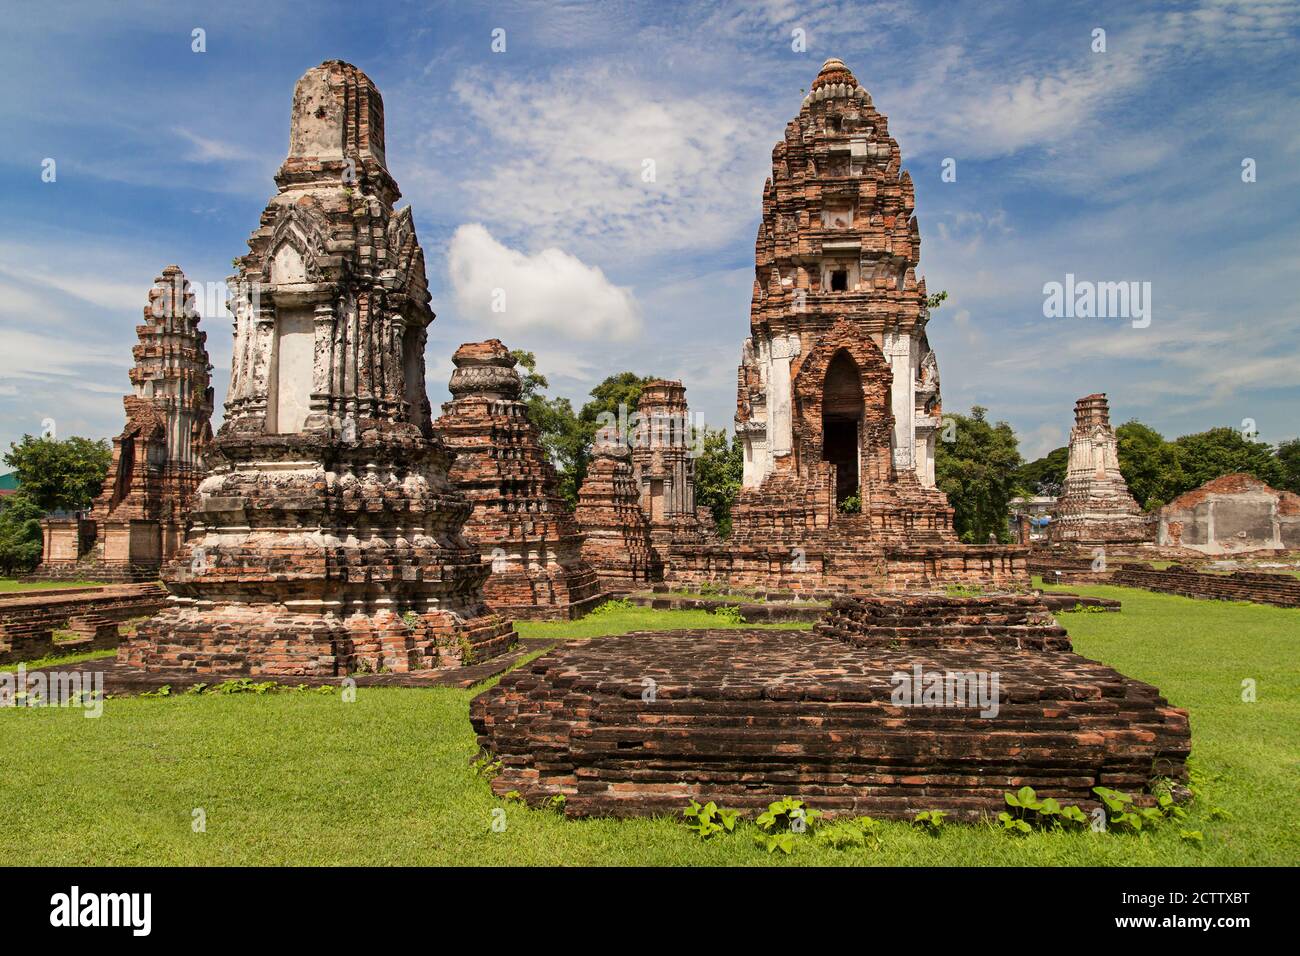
(746,717)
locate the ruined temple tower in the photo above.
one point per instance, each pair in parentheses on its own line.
(1095,506)
(616,533)
(327,536)
(662,463)
(520,523)
(836,289)
(838,390)
(138,519)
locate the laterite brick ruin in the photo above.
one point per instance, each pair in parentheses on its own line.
(327,536)
(521,525)
(747,717)
(138,519)
(340,530)
(838,408)
(616,533)
(838,402)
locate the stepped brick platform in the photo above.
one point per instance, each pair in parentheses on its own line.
(122,679)
(29,619)
(744,717)
(1015,621)
(1280,589)
(521,525)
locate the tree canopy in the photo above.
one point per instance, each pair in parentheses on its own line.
(60,475)
(979,471)
(718,472)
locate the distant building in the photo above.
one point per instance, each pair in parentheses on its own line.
(1232,514)
(1035,512)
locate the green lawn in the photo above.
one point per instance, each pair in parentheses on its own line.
(619,620)
(13,584)
(306,778)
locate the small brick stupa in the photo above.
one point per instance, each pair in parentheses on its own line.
(327,536)
(1095,506)
(519,522)
(616,533)
(662,464)
(138,520)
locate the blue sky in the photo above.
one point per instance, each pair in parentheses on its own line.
(524,170)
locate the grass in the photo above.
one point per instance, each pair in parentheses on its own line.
(303,778)
(58,660)
(615,619)
(12,584)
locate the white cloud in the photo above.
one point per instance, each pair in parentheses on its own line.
(550,290)
(1038,441)
(207,150)
(596,160)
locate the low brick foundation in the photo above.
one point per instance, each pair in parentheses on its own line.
(847,565)
(637,724)
(1280,589)
(28,620)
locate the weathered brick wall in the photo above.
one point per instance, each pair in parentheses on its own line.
(1280,589)
(1232,514)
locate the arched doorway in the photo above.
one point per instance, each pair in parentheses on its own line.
(841,423)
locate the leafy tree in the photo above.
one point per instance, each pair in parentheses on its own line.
(621,391)
(1288,458)
(60,475)
(568,437)
(20,533)
(534,382)
(1223,451)
(617,395)
(1046,475)
(979,471)
(718,472)
(1152,467)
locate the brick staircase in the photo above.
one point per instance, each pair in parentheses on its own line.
(1015,621)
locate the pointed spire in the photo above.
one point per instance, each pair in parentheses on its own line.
(834,71)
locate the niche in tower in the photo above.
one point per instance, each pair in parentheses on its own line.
(842,409)
(294,350)
(413,375)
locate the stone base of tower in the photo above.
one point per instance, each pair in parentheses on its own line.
(349,558)
(270,640)
(554,594)
(787,535)
(807,565)
(1102,529)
